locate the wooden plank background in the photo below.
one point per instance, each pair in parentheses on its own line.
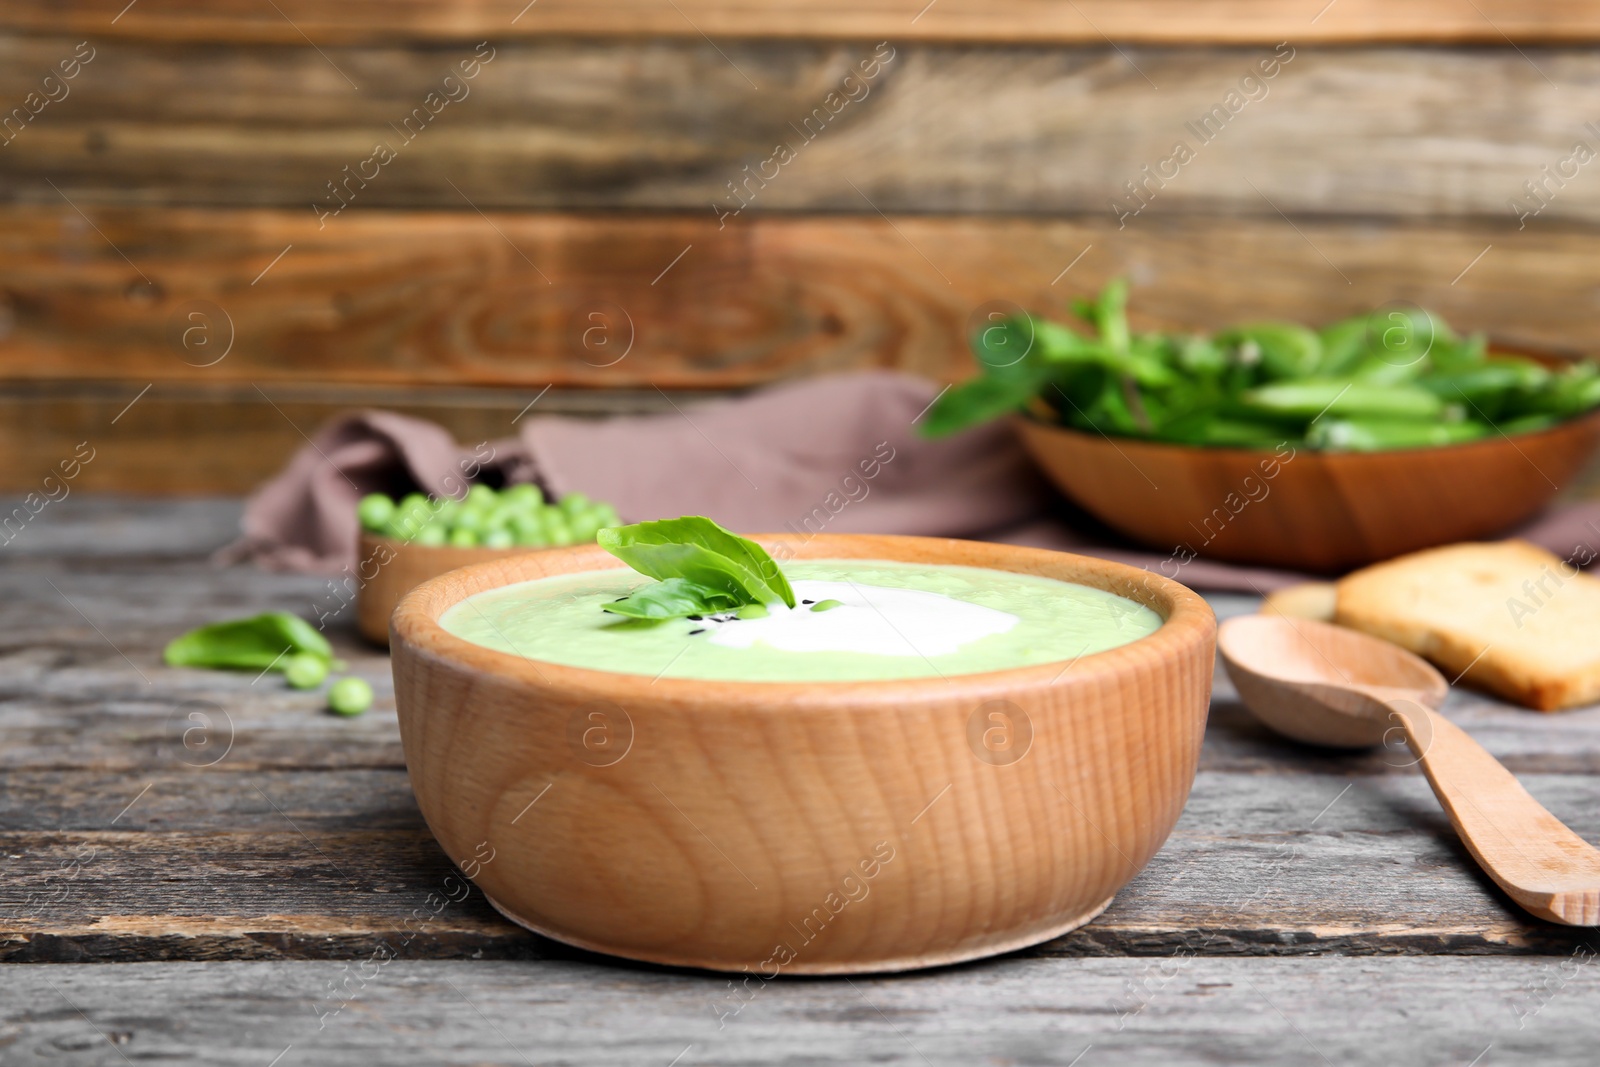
(296,21)
(584,181)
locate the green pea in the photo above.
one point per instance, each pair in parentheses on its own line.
(524,496)
(432,534)
(556,527)
(460,538)
(528,530)
(499,538)
(374,511)
(827,605)
(573,503)
(481,495)
(445,510)
(304,670)
(407,521)
(472,519)
(587,523)
(349,696)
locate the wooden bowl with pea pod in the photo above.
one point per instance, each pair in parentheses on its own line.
(1277,445)
(410,541)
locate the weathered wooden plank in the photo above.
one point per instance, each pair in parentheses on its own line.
(294,21)
(448,298)
(1379,132)
(136,567)
(232,864)
(185,438)
(1021,1011)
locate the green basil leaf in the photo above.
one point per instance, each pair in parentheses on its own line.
(248,644)
(696,548)
(673,598)
(978,400)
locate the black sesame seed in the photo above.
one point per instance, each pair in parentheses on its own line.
(808,601)
(699,631)
(695,618)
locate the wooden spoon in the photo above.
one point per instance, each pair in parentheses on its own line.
(1327,685)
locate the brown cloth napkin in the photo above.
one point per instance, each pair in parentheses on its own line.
(829,455)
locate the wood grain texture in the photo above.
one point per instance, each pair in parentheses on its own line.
(398,568)
(1281,850)
(1325,684)
(443,298)
(1171,21)
(203,867)
(660,125)
(190,439)
(1315,682)
(1308,510)
(781,825)
(1140,1013)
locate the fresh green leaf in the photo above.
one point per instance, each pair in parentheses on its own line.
(673,598)
(695,548)
(979,400)
(248,644)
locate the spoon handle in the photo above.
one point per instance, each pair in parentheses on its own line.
(1531,854)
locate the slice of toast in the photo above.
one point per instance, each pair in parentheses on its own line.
(1506,616)
(1308,600)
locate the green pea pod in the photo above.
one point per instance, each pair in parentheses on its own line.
(1458,354)
(1570,392)
(1287,351)
(1486,380)
(248,644)
(1200,356)
(1310,399)
(1344,344)
(1224,432)
(1382,435)
(1109,314)
(1528,424)
(1490,390)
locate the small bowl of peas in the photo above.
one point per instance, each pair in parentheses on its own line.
(407,541)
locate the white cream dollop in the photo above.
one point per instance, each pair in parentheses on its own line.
(874,619)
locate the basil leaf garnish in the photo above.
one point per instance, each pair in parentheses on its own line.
(706,563)
(674,598)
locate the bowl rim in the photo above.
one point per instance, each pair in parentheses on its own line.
(1034,423)
(1188,619)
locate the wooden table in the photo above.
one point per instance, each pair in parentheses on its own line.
(227,887)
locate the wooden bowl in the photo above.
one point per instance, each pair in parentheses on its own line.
(804,828)
(1315,511)
(397,567)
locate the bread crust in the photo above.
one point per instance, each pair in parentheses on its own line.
(1504,616)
